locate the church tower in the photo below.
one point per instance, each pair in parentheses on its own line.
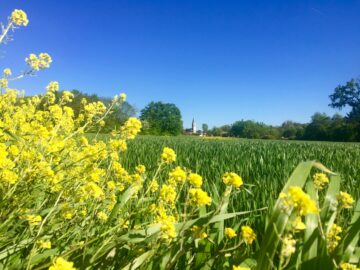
(193,126)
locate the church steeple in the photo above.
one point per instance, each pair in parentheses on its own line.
(193,126)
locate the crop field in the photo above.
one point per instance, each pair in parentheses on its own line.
(264,165)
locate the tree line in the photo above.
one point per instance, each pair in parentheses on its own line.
(160,118)
(322,127)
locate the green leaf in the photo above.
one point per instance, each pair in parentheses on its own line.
(139,260)
(278,219)
(311,236)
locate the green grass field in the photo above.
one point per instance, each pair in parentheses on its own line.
(264,165)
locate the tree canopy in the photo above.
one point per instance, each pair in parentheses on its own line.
(349,95)
(161,119)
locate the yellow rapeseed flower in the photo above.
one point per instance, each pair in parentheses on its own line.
(233,179)
(288,246)
(154,185)
(42,61)
(240,268)
(62,264)
(102,216)
(333,237)
(298,225)
(167,194)
(199,197)
(247,234)
(301,201)
(348,266)
(34,219)
(168,155)
(123,97)
(195,179)
(178,175)
(3,83)
(44,244)
(131,128)
(52,87)
(345,200)
(8,176)
(320,180)
(19,17)
(140,169)
(230,233)
(94,190)
(7,72)
(67,96)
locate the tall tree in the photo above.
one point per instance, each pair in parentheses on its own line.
(349,95)
(162,119)
(319,127)
(205,128)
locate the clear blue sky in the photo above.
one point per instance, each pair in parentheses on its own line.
(218,61)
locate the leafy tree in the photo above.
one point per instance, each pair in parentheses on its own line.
(205,128)
(318,129)
(254,130)
(349,95)
(346,95)
(162,119)
(292,130)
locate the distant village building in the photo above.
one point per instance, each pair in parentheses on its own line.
(193,125)
(192,130)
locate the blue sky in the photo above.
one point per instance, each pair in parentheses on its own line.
(218,61)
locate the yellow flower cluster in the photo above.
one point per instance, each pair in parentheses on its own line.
(230,233)
(177,175)
(199,197)
(247,234)
(297,198)
(333,237)
(168,194)
(7,72)
(233,179)
(102,216)
(345,200)
(167,223)
(19,18)
(44,244)
(168,155)
(320,180)
(52,87)
(131,128)
(288,246)
(3,83)
(62,264)
(195,179)
(298,225)
(240,268)
(34,219)
(348,266)
(42,61)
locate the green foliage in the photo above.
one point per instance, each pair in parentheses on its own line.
(114,120)
(205,128)
(161,119)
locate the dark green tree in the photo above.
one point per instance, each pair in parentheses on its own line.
(205,128)
(319,127)
(292,130)
(348,95)
(162,119)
